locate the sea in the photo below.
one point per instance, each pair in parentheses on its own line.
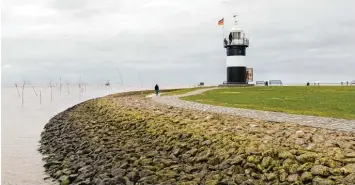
(24,112)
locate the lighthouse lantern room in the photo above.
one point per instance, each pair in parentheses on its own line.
(236,51)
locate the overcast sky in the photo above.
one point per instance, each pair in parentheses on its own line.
(174,42)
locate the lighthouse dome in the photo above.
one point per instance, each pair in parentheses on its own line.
(236,28)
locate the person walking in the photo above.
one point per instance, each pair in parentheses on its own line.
(156,88)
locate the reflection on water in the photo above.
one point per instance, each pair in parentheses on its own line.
(22,126)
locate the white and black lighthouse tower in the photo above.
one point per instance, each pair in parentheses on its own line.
(236,44)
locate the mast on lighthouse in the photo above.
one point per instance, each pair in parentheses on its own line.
(236,45)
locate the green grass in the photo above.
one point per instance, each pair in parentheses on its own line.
(337,102)
(182,91)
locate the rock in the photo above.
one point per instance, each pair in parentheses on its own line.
(133,176)
(153,154)
(305,167)
(237,160)
(283,176)
(239,178)
(64,180)
(168,162)
(148,179)
(118,172)
(213,161)
(299,141)
(176,151)
(46,178)
(328,162)
(209,117)
(145,173)
(307,157)
(266,162)
(72,177)
(285,155)
(255,175)
(311,146)
(254,129)
(207,142)
(322,181)
(99,182)
(52,163)
(292,178)
(349,168)
(202,159)
(320,170)
(192,152)
(271,176)
(299,133)
(349,179)
(306,176)
(119,180)
(317,138)
(85,172)
(267,139)
(350,155)
(349,160)
(335,171)
(58,174)
(336,179)
(66,171)
(124,165)
(254,159)
(86,182)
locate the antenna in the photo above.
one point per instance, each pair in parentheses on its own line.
(235,17)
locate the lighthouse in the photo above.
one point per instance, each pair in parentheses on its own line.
(236,45)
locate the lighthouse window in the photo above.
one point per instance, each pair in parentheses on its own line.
(236,35)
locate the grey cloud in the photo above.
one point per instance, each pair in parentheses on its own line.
(175,42)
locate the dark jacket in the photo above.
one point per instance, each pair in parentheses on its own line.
(156,87)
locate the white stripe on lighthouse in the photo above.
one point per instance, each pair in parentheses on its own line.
(235,61)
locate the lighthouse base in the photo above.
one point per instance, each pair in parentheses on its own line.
(235,85)
(236,75)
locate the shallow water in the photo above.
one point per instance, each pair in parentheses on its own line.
(22,125)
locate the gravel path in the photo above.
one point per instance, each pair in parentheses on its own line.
(313,121)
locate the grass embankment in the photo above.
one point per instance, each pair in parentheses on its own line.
(338,102)
(182,91)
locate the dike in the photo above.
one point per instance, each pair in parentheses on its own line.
(128,139)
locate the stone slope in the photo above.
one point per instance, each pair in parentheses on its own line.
(132,140)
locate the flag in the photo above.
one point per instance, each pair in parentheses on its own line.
(221,22)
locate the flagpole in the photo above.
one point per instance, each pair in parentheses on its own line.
(223,29)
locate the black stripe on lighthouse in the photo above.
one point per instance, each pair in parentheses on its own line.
(236,65)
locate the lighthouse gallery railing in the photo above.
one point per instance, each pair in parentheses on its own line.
(244,42)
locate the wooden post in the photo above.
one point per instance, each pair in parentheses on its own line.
(18,92)
(60,86)
(50,85)
(23,89)
(34,90)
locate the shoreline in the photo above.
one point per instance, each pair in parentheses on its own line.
(126,138)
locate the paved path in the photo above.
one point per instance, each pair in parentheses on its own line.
(314,121)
